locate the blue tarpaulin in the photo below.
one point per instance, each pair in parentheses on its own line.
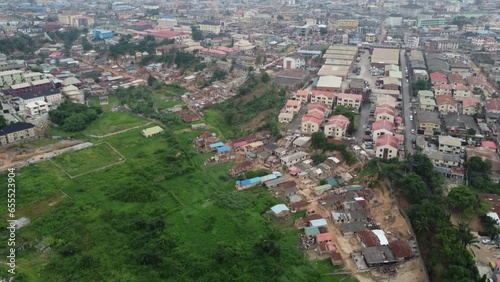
(216,145)
(223,149)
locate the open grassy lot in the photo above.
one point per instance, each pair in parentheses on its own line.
(160,216)
(111,122)
(113,101)
(87,160)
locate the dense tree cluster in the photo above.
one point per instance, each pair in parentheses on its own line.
(180,59)
(23,43)
(73,117)
(319,141)
(348,113)
(420,84)
(147,44)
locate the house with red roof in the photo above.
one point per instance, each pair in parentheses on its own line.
(438,78)
(446,104)
(382,127)
(401,249)
(456,79)
(489,145)
(470,105)
(303,96)
(311,122)
(318,107)
(336,126)
(475,81)
(387,147)
(349,100)
(442,89)
(385,112)
(368,239)
(293,106)
(461,91)
(323,96)
(493,105)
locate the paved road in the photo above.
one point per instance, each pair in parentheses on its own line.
(406,105)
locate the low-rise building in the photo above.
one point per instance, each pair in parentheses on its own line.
(461,91)
(429,122)
(303,96)
(385,112)
(37,108)
(438,78)
(382,127)
(293,106)
(323,96)
(443,89)
(446,104)
(441,159)
(427,103)
(329,83)
(349,100)
(471,105)
(294,158)
(386,147)
(311,122)
(336,126)
(449,145)
(17,132)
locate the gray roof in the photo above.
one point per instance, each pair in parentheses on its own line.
(460,121)
(444,157)
(428,116)
(352,227)
(378,255)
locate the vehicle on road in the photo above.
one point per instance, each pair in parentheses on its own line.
(412,131)
(411,117)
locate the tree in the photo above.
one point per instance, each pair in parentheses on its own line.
(318,158)
(86,44)
(462,198)
(460,21)
(465,235)
(471,132)
(3,122)
(151,80)
(280,18)
(217,75)
(196,33)
(420,85)
(414,188)
(264,77)
(323,30)
(318,140)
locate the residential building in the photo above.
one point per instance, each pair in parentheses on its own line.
(319,107)
(285,117)
(385,112)
(336,126)
(383,56)
(294,158)
(349,100)
(411,41)
(443,89)
(425,94)
(37,108)
(446,104)
(493,105)
(347,23)
(293,106)
(438,78)
(311,122)
(449,145)
(441,159)
(382,127)
(102,34)
(420,74)
(410,10)
(428,122)
(210,27)
(456,79)
(11,77)
(472,28)
(303,96)
(17,132)
(394,21)
(427,103)
(386,147)
(434,22)
(461,91)
(293,62)
(461,68)
(470,105)
(152,131)
(326,97)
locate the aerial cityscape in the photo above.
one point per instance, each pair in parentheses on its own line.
(250,140)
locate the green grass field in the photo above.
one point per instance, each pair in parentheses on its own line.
(113,101)
(111,122)
(138,222)
(87,160)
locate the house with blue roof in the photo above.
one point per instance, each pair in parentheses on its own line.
(280,210)
(216,145)
(248,183)
(318,222)
(223,149)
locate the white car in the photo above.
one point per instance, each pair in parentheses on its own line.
(413,131)
(411,118)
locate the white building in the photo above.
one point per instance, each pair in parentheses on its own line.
(37,108)
(394,21)
(293,63)
(411,41)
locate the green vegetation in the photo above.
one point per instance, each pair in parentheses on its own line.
(87,160)
(147,44)
(110,122)
(319,141)
(73,117)
(159,216)
(483,58)
(460,21)
(181,59)
(254,99)
(3,122)
(420,85)
(443,246)
(196,33)
(478,175)
(22,43)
